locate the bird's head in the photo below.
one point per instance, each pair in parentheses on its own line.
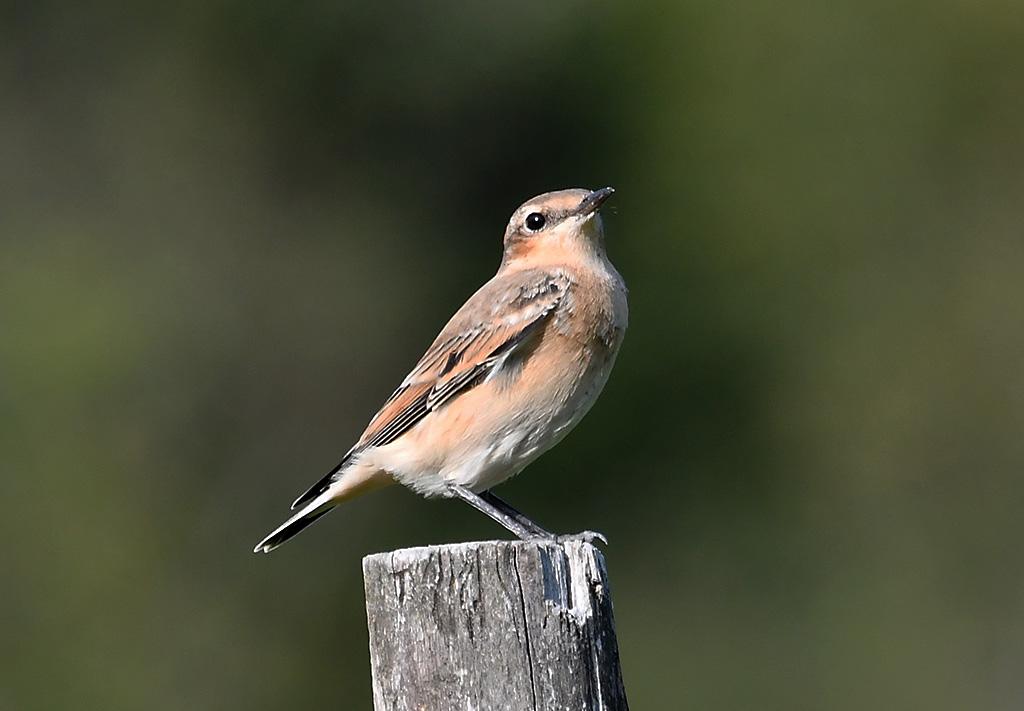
(555,227)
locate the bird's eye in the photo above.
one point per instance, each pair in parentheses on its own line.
(534,221)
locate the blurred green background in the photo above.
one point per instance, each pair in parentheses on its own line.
(227,230)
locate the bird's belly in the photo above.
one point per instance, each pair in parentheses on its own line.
(490,432)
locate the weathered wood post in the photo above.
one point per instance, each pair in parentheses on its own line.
(509,625)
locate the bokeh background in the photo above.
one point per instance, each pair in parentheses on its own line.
(227,230)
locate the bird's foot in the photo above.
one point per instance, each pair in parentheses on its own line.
(585,536)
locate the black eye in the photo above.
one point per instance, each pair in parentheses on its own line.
(534,221)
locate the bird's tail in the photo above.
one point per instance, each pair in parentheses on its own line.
(355,478)
(309,513)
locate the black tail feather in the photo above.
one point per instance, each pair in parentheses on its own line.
(322,485)
(286,531)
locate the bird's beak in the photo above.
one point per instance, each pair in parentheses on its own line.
(592,203)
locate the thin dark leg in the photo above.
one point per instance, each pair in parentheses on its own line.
(512,523)
(520,518)
(527,523)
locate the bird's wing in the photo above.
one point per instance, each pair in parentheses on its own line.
(468,348)
(494,322)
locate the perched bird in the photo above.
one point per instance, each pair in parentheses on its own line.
(511,373)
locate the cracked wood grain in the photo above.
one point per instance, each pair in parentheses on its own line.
(510,625)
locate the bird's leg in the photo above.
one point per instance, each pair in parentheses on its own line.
(517,523)
(513,513)
(504,506)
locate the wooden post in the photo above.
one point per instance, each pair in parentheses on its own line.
(510,625)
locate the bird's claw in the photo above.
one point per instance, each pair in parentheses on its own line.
(585,536)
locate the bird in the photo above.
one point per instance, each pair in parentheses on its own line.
(512,372)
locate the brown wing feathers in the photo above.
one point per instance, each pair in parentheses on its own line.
(450,366)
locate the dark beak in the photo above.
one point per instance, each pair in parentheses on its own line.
(592,203)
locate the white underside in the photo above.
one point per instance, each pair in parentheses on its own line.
(486,455)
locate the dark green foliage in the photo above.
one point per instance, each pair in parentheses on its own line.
(227,231)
